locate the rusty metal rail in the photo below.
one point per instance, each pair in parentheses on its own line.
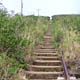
(65,68)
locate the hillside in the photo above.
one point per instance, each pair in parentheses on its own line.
(18,37)
(66,35)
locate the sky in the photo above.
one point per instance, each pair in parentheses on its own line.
(46,7)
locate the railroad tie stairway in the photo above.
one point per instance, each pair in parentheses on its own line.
(47,64)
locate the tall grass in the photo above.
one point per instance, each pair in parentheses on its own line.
(18,36)
(66,32)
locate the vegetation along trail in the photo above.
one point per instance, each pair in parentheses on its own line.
(33,49)
(47,64)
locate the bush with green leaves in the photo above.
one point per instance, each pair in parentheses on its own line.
(17,35)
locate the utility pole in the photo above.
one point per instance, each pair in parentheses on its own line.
(21,7)
(38,12)
(1,4)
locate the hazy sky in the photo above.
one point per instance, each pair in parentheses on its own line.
(47,7)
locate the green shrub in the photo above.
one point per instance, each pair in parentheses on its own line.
(18,35)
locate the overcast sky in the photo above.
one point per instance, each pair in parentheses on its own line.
(47,7)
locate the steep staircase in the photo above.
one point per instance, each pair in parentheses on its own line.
(47,64)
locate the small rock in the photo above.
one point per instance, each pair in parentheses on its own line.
(73,78)
(24,77)
(60,78)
